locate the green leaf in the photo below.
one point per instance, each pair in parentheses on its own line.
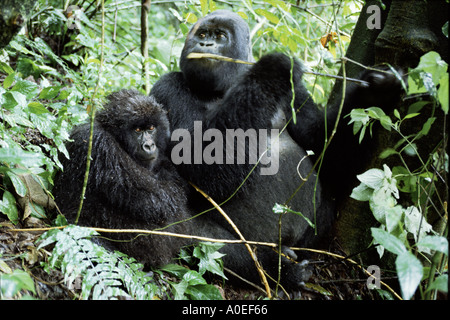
(409,272)
(11,284)
(209,258)
(376,112)
(175,270)
(191,18)
(388,241)
(184,29)
(440,283)
(380,203)
(387,153)
(445,29)
(443,93)
(411,115)
(393,217)
(20,98)
(204,6)
(28,88)
(37,108)
(277,208)
(359,115)
(432,64)
(372,178)
(9,81)
(8,207)
(268,15)
(434,243)
(6,68)
(204,292)
(415,223)
(50,93)
(18,184)
(427,126)
(417,106)
(193,278)
(386,122)
(362,193)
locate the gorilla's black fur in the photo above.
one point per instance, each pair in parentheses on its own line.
(132,185)
(224,95)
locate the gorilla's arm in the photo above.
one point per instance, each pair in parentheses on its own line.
(117,180)
(345,155)
(254,100)
(249,104)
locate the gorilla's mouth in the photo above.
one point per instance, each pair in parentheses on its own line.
(146,159)
(205,56)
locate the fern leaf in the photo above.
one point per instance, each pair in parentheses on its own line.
(105,275)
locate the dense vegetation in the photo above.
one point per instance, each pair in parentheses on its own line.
(60,68)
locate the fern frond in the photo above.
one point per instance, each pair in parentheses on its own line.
(105,274)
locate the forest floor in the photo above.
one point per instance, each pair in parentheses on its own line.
(332,279)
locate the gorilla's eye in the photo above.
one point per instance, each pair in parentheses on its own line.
(138,129)
(202,35)
(221,36)
(151,128)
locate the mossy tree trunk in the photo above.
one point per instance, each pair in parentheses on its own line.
(408,30)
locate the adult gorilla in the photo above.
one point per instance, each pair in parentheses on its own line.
(224,96)
(132,185)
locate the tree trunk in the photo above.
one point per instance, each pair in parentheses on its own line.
(409,30)
(407,34)
(145,9)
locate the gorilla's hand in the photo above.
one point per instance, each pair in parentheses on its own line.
(278,69)
(296,274)
(384,89)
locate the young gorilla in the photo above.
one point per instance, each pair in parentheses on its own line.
(223,96)
(132,185)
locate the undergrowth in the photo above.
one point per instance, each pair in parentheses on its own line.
(100,274)
(406,199)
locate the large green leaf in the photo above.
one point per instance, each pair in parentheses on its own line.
(434,243)
(409,272)
(388,241)
(372,178)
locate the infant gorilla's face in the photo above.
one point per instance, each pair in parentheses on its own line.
(142,145)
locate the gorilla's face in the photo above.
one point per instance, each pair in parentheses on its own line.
(222,33)
(211,37)
(141,145)
(139,125)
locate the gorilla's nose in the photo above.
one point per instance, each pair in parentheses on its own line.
(207,44)
(149,147)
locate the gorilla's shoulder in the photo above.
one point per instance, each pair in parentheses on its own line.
(169,85)
(174,78)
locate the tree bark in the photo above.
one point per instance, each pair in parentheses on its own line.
(407,34)
(146,4)
(409,30)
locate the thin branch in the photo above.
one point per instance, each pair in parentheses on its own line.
(246,242)
(144,231)
(252,253)
(146,4)
(195,55)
